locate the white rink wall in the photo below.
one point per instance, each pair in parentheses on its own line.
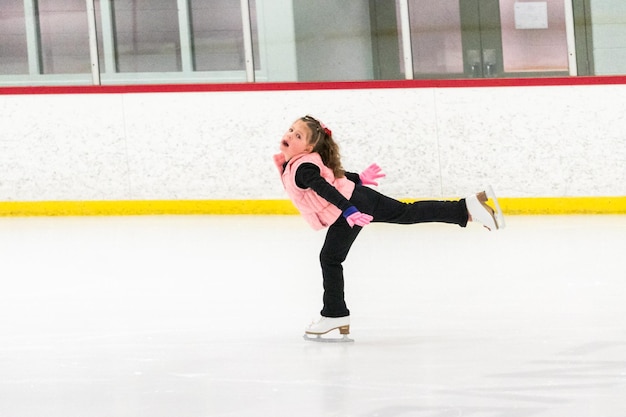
(550,141)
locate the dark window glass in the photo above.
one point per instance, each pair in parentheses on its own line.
(217,32)
(147,35)
(13,53)
(64,36)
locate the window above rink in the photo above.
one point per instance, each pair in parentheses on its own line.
(47,42)
(122,42)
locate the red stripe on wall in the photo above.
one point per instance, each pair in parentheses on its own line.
(335,85)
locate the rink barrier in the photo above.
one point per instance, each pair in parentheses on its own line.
(510,206)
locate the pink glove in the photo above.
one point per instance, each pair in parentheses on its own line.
(279,161)
(371,174)
(359,219)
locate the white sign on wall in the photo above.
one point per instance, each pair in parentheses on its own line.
(531,15)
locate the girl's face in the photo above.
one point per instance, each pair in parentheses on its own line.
(296,140)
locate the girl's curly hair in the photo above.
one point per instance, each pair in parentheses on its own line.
(323,143)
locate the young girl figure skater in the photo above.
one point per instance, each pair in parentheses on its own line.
(329,197)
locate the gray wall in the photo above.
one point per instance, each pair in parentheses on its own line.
(342,50)
(609,36)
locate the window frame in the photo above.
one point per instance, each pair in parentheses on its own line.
(275,45)
(105,72)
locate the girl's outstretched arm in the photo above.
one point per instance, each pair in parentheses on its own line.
(308,176)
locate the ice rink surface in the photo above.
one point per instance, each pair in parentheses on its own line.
(190,316)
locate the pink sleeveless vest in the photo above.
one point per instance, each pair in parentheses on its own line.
(318,212)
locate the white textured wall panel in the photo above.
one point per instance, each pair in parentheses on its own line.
(62,147)
(431,142)
(547,141)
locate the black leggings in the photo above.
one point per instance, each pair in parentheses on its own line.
(341,236)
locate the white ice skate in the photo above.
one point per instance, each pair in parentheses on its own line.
(483,213)
(324,325)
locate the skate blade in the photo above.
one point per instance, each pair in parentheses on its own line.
(319,339)
(498,215)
